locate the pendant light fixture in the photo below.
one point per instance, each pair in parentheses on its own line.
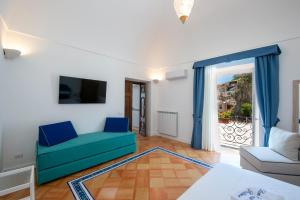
(183,9)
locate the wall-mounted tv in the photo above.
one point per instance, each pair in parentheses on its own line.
(78,90)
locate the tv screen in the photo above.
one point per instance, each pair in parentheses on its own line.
(79,90)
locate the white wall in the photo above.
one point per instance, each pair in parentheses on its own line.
(2,30)
(177,95)
(289,71)
(29,92)
(299,110)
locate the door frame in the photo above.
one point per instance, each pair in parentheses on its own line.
(137,82)
(126,99)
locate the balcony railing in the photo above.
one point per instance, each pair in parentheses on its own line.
(236,131)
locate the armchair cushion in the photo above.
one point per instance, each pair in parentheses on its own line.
(267,161)
(285,143)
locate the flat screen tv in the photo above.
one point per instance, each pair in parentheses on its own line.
(78,90)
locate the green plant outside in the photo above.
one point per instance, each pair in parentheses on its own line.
(225,115)
(246,109)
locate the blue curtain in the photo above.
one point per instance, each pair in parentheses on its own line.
(267,88)
(198,107)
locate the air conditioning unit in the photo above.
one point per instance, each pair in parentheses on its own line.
(178,74)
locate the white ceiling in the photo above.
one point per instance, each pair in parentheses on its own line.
(148,31)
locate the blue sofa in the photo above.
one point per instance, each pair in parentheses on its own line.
(81,152)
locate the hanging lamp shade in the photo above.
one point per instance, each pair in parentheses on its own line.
(183,9)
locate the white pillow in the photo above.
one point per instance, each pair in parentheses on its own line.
(285,143)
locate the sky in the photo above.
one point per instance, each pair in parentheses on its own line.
(225,78)
(228,77)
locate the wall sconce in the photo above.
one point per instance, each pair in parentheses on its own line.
(11,53)
(155,80)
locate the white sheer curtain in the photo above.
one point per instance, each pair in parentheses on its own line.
(210,138)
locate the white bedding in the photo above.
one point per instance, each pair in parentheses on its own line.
(223,180)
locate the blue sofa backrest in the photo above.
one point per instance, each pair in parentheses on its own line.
(53,134)
(116,124)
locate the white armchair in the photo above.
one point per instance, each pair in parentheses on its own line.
(280,160)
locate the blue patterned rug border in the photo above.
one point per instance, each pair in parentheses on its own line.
(80,192)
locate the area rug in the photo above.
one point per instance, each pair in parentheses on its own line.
(157,173)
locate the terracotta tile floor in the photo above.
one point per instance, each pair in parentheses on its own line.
(155,173)
(154,176)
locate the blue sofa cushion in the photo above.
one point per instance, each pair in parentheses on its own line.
(116,124)
(53,134)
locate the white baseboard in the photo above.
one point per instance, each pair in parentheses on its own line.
(186,141)
(152,133)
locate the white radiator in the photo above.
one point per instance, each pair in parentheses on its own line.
(168,123)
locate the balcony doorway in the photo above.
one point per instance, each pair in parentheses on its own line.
(237,110)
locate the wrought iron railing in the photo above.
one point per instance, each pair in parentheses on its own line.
(236,131)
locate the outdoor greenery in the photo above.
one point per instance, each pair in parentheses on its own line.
(225,115)
(246,109)
(239,90)
(243,95)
